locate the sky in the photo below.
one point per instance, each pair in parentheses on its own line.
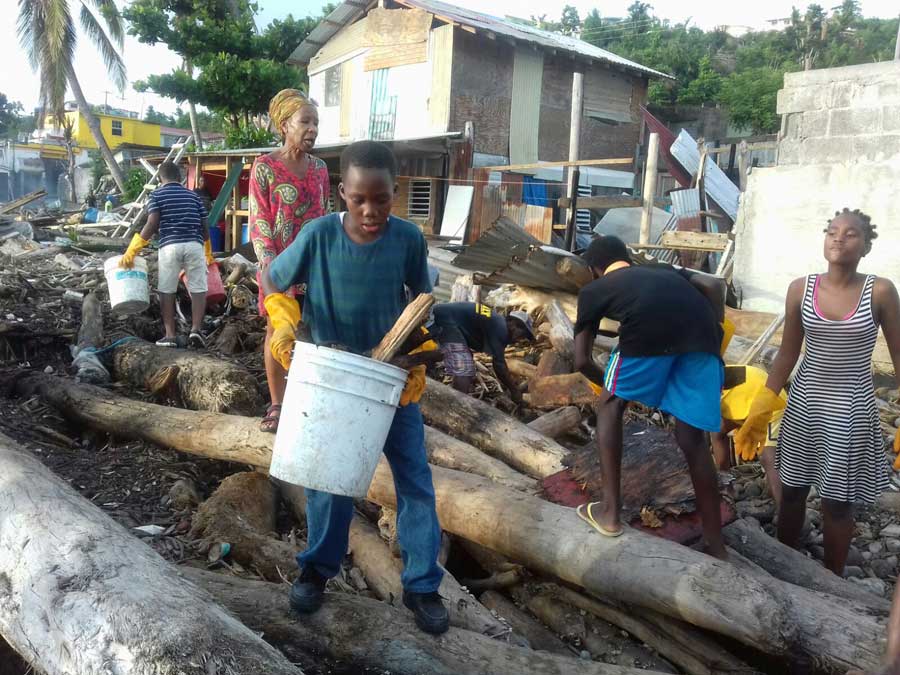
(19,82)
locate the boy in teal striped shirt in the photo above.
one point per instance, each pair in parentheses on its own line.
(357,266)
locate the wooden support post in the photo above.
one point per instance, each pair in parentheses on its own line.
(574,143)
(572,214)
(743,164)
(235,206)
(649,187)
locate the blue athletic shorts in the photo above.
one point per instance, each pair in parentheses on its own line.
(688,386)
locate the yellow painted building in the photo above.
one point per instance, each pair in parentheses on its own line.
(116,129)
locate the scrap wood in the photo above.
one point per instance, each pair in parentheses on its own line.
(414,315)
(9,207)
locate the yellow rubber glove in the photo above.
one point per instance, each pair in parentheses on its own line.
(749,439)
(137,243)
(897,450)
(728,329)
(207,249)
(284,314)
(415,382)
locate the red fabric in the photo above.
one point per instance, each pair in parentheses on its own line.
(280,204)
(666,138)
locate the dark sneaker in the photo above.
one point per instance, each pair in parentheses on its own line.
(197,340)
(429,611)
(307,592)
(167,342)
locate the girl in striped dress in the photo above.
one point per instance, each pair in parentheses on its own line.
(830,436)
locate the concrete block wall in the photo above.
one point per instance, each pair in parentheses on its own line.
(839,115)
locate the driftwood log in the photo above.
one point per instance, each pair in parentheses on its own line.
(451,453)
(494,432)
(647,571)
(555,391)
(204,382)
(562,335)
(557,422)
(241,513)
(687,647)
(367,634)
(782,562)
(232,438)
(80,595)
(637,569)
(538,636)
(372,555)
(382,572)
(600,638)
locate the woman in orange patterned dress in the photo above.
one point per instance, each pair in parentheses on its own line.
(288,187)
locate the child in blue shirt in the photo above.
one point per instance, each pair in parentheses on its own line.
(357,266)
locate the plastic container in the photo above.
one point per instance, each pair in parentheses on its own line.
(336,415)
(215,288)
(245,233)
(129,290)
(216,239)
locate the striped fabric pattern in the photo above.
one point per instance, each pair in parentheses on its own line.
(830,436)
(181,214)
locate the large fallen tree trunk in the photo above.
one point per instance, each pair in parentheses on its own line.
(204,382)
(79,595)
(231,438)
(788,564)
(763,612)
(485,427)
(362,633)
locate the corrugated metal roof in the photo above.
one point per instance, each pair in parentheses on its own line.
(343,15)
(351,10)
(509,255)
(718,186)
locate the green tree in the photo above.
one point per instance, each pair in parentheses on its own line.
(639,16)
(47,33)
(703,88)
(591,26)
(570,22)
(750,97)
(155,117)
(10,113)
(239,69)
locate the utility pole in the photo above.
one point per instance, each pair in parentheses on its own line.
(574,142)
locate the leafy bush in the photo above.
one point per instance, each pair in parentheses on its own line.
(248,136)
(136,180)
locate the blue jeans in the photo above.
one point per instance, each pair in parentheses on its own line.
(418,531)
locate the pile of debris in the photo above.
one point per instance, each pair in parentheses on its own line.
(164,450)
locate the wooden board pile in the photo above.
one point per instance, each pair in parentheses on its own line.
(531,588)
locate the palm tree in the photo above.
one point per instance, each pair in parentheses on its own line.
(47,32)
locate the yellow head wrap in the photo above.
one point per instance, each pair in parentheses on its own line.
(284,104)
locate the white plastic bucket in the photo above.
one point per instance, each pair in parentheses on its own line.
(129,291)
(335,419)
